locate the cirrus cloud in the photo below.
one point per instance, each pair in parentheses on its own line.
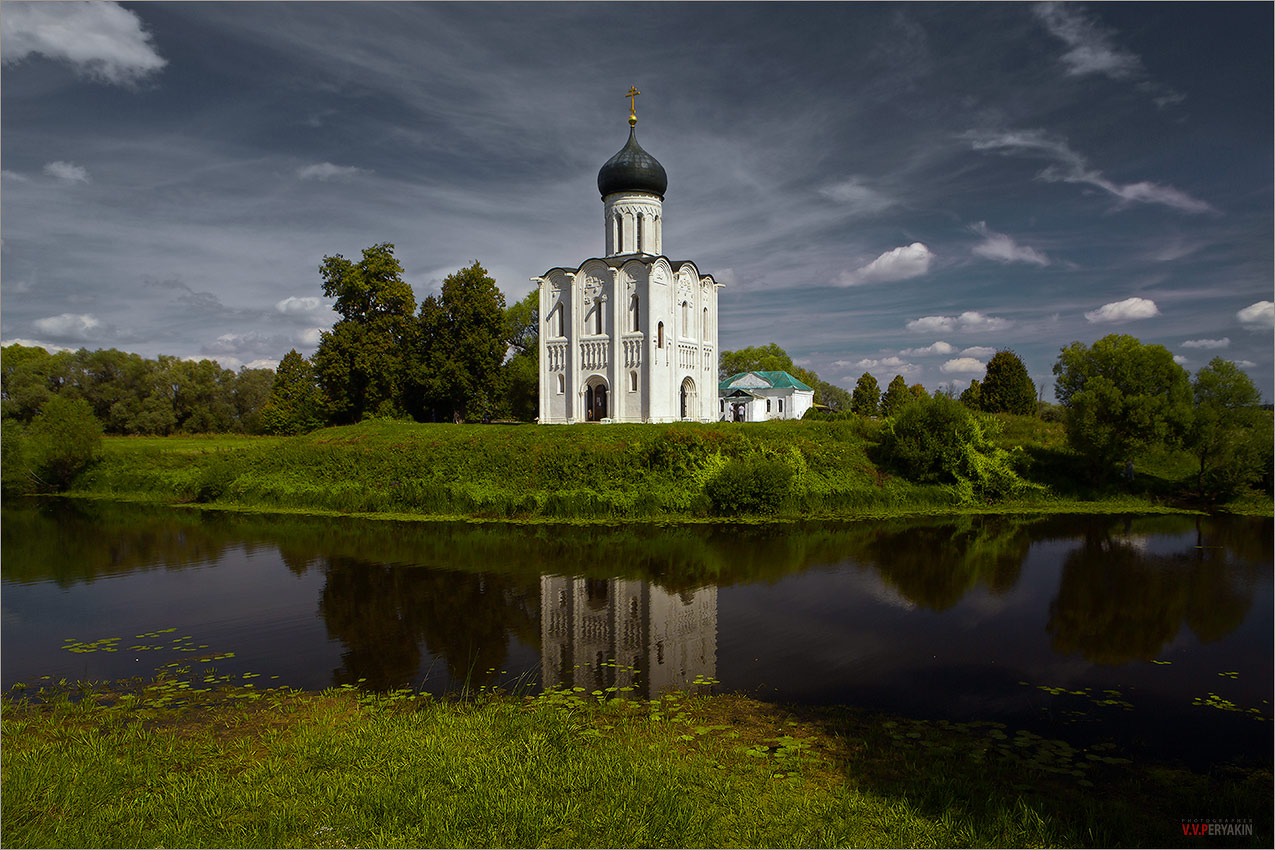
(327,171)
(102,41)
(1003,249)
(906,261)
(1128,310)
(1258,316)
(67,172)
(1207,343)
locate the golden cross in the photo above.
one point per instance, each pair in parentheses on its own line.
(633,92)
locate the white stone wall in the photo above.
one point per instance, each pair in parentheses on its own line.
(634,223)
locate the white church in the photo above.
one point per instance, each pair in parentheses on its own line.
(630,336)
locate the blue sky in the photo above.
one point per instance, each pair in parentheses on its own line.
(893,188)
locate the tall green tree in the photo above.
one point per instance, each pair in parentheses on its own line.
(252,391)
(1228,430)
(295,405)
(1120,397)
(972,396)
(62,439)
(463,342)
(520,384)
(896,396)
(866,400)
(362,364)
(1006,387)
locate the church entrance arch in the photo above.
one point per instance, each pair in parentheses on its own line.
(595,399)
(688,399)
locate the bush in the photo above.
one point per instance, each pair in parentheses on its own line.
(62,440)
(756,485)
(940,441)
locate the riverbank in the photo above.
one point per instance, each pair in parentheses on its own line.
(661,473)
(167,765)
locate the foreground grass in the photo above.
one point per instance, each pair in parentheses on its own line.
(345,769)
(587,473)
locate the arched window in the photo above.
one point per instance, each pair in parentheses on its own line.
(768,405)
(703,329)
(559,322)
(633,314)
(641,228)
(597,318)
(781,405)
(661,333)
(633,382)
(686,319)
(562,384)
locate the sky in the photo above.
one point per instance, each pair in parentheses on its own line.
(901,189)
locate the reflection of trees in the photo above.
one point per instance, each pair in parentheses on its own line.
(382,613)
(935,565)
(1116,604)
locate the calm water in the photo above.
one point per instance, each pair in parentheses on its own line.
(980,618)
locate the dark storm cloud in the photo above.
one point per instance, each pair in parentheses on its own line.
(995,172)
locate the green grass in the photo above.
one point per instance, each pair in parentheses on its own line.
(341,768)
(586,473)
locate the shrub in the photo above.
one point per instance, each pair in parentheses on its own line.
(940,441)
(755,485)
(62,440)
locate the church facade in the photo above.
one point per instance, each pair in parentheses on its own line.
(630,336)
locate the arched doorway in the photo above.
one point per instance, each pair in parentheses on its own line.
(689,407)
(595,400)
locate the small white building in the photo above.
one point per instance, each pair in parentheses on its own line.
(758,396)
(630,336)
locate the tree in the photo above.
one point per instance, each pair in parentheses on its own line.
(463,333)
(252,391)
(1226,435)
(520,385)
(772,358)
(1120,397)
(866,399)
(62,439)
(362,363)
(972,396)
(1006,387)
(917,392)
(295,405)
(896,396)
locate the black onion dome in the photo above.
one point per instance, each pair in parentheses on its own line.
(632,170)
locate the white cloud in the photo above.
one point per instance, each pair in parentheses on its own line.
(294,306)
(1070,167)
(939,347)
(1127,310)
(309,336)
(12,175)
(978,351)
(103,41)
(963,364)
(868,363)
(328,171)
(1207,343)
(67,172)
(856,198)
(1091,50)
(68,325)
(1003,249)
(970,320)
(1244,364)
(1179,359)
(31,343)
(900,263)
(263,363)
(1258,316)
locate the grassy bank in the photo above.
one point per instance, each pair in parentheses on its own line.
(652,472)
(160,766)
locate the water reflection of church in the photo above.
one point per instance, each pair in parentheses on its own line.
(660,641)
